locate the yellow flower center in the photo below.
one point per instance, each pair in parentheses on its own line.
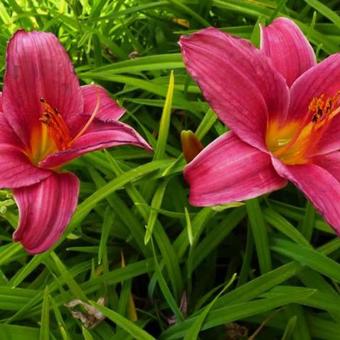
(294,142)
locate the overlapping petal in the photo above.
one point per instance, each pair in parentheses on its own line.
(330,162)
(100,135)
(45,210)
(319,185)
(108,111)
(7,135)
(237,80)
(230,170)
(38,66)
(290,51)
(17,170)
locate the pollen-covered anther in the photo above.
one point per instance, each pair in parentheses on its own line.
(324,108)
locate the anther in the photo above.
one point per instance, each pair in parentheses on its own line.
(318,115)
(45,118)
(322,107)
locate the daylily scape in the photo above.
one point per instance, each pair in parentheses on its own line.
(46,120)
(282,109)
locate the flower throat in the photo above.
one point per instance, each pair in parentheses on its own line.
(294,142)
(53,134)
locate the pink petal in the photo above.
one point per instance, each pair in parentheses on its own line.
(285,44)
(330,162)
(237,80)
(45,210)
(230,170)
(1,110)
(330,140)
(320,187)
(7,135)
(99,136)
(38,66)
(16,170)
(108,111)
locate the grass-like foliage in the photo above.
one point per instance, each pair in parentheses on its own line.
(137,261)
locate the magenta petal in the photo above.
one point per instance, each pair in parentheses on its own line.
(16,170)
(320,187)
(38,66)
(237,80)
(7,135)
(230,170)
(45,210)
(330,162)
(108,111)
(285,44)
(99,136)
(330,140)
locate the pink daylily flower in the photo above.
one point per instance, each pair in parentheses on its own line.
(46,120)
(283,112)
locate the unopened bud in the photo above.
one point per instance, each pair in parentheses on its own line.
(191,146)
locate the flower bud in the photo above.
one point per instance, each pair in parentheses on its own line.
(191,146)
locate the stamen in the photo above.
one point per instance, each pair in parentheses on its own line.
(57,128)
(324,109)
(44,138)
